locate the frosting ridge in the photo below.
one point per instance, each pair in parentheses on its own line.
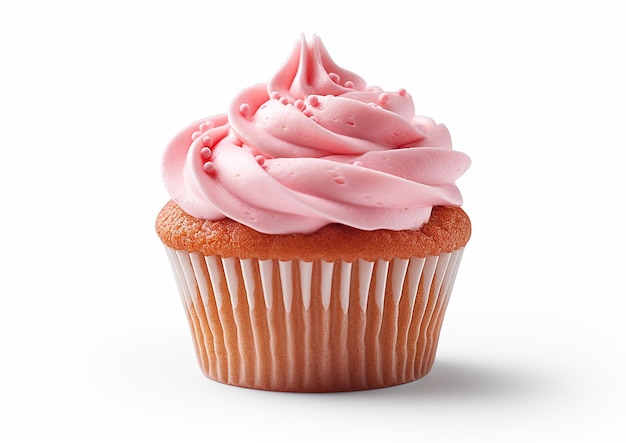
(315,145)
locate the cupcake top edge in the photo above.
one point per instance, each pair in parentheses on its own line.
(312,147)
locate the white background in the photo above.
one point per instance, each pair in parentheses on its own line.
(94,345)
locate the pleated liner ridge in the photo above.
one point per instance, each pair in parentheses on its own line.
(314,326)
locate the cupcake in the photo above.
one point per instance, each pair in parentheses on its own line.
(314,231)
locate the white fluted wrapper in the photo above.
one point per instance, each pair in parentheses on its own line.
(315,326)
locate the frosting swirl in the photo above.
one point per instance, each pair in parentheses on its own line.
(313,146)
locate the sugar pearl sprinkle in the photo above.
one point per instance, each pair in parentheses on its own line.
(205,153)
(299,104)
(244,108)
(313,100)
(209,167)
(207,141)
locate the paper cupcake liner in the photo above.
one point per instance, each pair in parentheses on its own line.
(314,326)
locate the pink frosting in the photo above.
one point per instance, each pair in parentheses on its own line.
(314,146)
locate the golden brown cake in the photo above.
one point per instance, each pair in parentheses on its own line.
(447,229)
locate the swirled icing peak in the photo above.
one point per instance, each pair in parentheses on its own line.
(313,146)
